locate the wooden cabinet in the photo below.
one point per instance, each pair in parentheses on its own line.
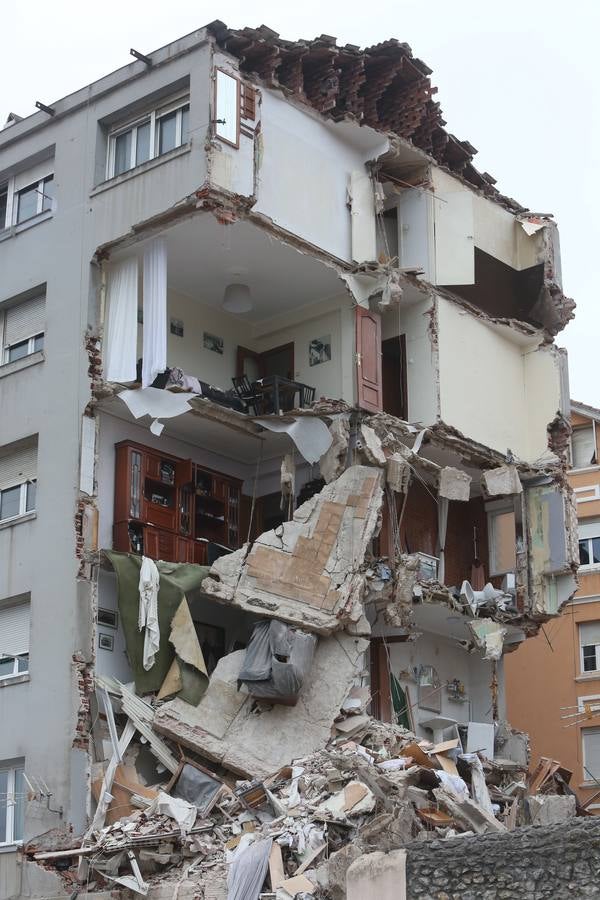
(171,508)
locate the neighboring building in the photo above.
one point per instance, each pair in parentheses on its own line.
(561,666)
(236,205)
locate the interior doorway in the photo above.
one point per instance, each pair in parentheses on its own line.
(394,380)
(276,361)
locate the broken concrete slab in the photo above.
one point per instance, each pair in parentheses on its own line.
(306,572)
(455,484)
(398,473)
(501,481)
(371,446)
(227,728)
(381,875)
(551,809)
(468,813)
(488,636)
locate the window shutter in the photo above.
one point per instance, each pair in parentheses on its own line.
(582,441)
(24,320)
(14,629)
(591,752)
(17,467)
(248,104)
(33,174)
(589,633)
(589,528)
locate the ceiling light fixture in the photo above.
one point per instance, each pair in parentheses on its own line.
(236,298)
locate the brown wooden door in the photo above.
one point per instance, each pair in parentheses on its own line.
(368,359)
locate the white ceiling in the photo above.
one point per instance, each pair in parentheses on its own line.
(204,256)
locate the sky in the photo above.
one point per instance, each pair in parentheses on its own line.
(519,80)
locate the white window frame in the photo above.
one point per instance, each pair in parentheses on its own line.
(592,566)
(153,117)
(494,509)
(9,812)
(12,202)
(16,670)
(584,731)
(595,439)
(23,511)
(30,347)
(581,646)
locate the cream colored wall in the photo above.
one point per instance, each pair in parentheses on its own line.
(333,379)
(189,353)
(542,395)
(482,390)
(492,389)
(495,230)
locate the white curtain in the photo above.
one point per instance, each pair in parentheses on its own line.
(121,332)
(442,528)
(155,312)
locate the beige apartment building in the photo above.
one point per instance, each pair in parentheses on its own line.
(561,666)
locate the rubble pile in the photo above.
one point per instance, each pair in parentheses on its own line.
(373,786)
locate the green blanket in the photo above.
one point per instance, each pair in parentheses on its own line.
(178,581)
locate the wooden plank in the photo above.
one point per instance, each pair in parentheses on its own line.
(276,870)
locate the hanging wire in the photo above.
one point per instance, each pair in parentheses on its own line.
(254,489)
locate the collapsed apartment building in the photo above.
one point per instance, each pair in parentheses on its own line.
(282,389)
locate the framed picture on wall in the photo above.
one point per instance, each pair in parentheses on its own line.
(319,350)
(213,342)
(106,641)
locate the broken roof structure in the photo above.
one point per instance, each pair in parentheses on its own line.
(322,442)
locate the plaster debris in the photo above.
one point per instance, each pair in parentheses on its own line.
(398,473)
(333,461)
(488,635)
(153,402)
(371,446)
(309,433)
(501,481)
(307,571)
(455,484)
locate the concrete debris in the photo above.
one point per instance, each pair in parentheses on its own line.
(489,636)
(455,484)
(307,571)
(288,480)
(297,826)
(333,462)
(501,481)
(398,473)
(370,445)
(551,809)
